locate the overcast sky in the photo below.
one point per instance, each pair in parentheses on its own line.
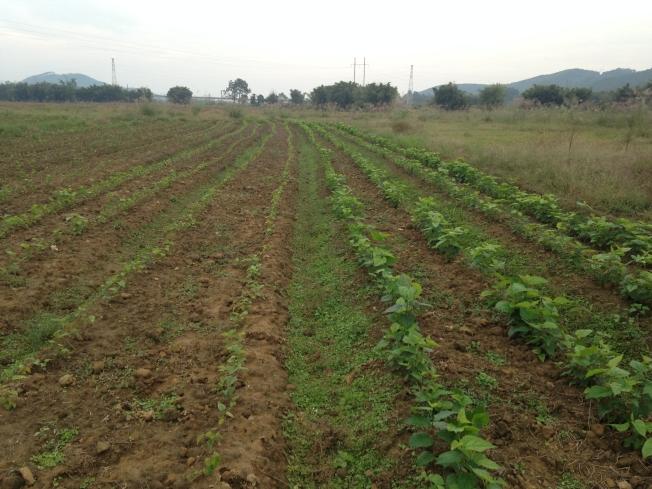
(287,44)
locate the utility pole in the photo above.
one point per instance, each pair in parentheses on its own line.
(364,71)
(114,78)
(411,85)
(354,65)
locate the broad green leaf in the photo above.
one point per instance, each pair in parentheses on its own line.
(647,390)
(475,443)
(424,459)
(461,416)
(418,421)
(481,419)
(487,463)
(421,440)
(622,427)
(452,457)
(461,481)
(482,474)
(646,451)
(597,392)
(533,280)
(615,361)
(640,427)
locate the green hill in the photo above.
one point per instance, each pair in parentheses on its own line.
(51,77)
(576,77)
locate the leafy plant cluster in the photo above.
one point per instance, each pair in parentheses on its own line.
(624,396)
(600,231)
(612,267)
(53,451)
(449,414)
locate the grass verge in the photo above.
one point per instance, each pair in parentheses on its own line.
(343,405)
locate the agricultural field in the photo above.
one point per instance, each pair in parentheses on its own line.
(226,298)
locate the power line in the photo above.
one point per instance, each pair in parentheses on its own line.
(128,47)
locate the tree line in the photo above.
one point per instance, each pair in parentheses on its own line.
(70,92)
(451,97)
(342,94)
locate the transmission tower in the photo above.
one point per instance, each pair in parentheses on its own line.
(411,85)
(114,78)
(364,70)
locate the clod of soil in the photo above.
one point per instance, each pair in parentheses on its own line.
(143,373)
(101,447)
(66,380)
(26,474)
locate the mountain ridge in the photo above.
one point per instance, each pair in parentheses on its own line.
(571,78)
(52,77)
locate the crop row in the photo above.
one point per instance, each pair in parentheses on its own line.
(65,198)
(606,268)
(623,394)
(156,248)
(629,237)
(449,414)
(77,224)
(60,166)
(234,364)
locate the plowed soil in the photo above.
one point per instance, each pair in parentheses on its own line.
(116,371)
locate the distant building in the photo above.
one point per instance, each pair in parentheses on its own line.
(283,99)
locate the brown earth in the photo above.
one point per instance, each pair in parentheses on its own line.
(56,280)
(157,348)
(73,173)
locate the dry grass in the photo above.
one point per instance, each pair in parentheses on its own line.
(603,158)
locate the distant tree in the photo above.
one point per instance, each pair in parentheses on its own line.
(237,88)
(545,94)
(179,95)
(493,96)
(379,93)
(102,93)
(68,91)
(450,97)
(578,95)
(253,100)
(272,98)
(260,99)
(624,94)
(142,94)
(297,97)
(319,95)
(343,94)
